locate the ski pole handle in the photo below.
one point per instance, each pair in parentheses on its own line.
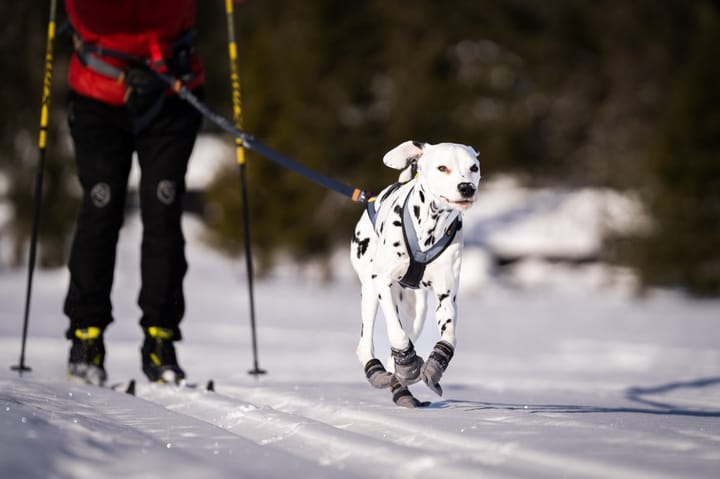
(47,79)
(234,81)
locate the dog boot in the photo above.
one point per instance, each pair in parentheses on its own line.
(159,361)
(87,357)
(402,395)
(436,365)
(407,364)
(376,374)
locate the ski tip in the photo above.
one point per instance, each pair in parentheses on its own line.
(130,388)
(210,386)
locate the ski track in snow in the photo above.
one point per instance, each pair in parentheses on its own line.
(542,385)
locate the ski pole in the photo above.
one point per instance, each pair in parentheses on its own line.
(42,140)
(240,156)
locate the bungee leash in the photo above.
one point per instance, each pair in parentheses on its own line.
(249,141)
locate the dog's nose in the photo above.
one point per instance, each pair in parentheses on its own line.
(466,189)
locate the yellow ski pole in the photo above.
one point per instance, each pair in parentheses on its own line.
(240,156)
(42,141)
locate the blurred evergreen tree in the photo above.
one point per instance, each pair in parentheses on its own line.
(684,193)
(572,91)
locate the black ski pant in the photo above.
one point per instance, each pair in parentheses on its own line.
(104,141)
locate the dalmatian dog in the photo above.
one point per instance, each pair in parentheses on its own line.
(407,245)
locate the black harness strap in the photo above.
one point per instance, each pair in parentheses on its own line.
(420,259)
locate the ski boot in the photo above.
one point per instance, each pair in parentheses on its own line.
(87,357)
(159,361)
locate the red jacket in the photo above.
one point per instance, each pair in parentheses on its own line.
(137,27)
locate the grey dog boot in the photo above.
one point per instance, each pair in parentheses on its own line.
(403,397)
(436,365)
(407,364)
(377,375)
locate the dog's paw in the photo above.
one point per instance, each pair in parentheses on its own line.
(403,397)
(407,364)
(436,365)
(377,375)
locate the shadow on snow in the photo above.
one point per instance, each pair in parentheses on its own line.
(634,394)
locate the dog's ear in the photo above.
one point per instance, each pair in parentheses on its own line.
(403,155)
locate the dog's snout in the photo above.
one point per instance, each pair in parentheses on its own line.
(466,189)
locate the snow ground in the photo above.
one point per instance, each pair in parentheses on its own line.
(546,382)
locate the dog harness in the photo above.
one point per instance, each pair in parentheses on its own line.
(419,259)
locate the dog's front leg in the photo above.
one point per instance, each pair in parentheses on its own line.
(407,363)
(443,351)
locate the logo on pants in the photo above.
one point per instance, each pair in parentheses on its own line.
(166,191)
(100,195)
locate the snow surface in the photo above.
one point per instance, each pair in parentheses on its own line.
(559,379)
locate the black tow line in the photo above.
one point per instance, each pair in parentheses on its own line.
(249,142)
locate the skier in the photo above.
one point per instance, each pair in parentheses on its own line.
(117,107)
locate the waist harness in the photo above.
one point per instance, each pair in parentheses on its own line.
(418,259)
(144,91)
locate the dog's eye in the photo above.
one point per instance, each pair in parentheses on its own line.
(474,168)
(443,168)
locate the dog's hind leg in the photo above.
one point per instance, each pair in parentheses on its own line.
(375,372)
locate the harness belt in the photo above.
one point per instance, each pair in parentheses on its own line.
(418,259)
(144,91)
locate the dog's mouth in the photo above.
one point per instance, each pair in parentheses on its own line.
(462,203)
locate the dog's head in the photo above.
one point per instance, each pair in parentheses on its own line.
(450,172)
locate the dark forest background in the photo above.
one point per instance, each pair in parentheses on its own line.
(570,92)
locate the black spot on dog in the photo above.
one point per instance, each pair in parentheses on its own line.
(379,297)
(400,296)
(373,276)
(397,309)
(362,246)
(416,212)
(444,326)
(398,210)
(397,223)
(382,226)
(442,298)
(427,284)
(396,244)
(422,195)
(362,329)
